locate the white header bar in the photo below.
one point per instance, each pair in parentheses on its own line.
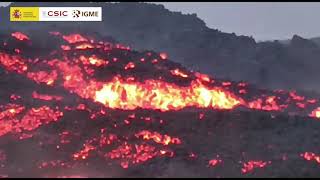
(70,14)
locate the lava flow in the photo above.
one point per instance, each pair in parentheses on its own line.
(92,102)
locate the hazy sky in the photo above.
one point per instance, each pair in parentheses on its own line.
(4,3)
(262,20)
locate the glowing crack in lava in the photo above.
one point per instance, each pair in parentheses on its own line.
(214,162)
(250,165)
(45,97)
(309,156)
(20,36)
(158,138)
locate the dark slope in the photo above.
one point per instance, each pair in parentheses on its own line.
(188,41)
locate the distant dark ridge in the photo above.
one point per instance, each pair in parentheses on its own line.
(188,40)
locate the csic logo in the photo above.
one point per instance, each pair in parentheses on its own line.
(56,13)
(78,13)
(17,14)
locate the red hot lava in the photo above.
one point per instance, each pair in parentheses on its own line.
(315,113)
(120,93)
(74,70)
(32,119)
(20,36)
(249,166)
(309,156)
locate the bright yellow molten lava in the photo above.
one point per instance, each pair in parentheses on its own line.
(154,94)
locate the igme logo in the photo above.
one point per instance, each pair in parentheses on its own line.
(78,13)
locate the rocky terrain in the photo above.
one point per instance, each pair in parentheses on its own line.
(188,40)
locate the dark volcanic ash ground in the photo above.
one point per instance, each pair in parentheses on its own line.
(55,125)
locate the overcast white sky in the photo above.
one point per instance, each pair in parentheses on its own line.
(4,3)
(262,20)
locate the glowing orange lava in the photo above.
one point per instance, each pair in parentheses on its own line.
(309,156)
(315,113)
(214,162)
(177,72)
(154,94)
(84,153)
(158,138)
(76,68)
(130,65)
(127,93)
(20,36)
(249,166)
(43,77)
(129,154)
(31,120)
(163,56)
(74,38)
